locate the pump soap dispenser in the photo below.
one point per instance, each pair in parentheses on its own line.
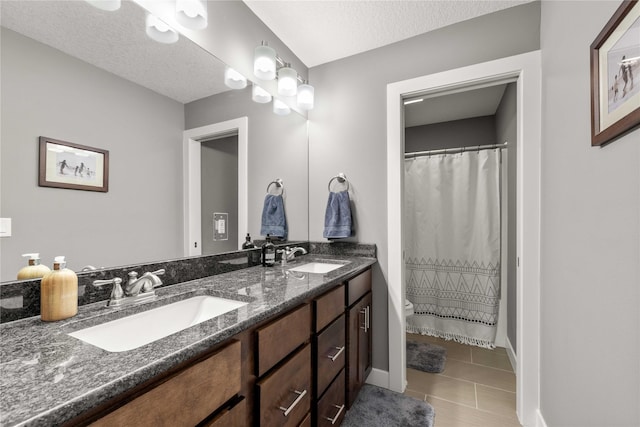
(34,270)
(59,292)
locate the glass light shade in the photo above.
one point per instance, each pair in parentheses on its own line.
(108,5)
(264,63)
(159,31)
(192,14)
(260,95)
(280,108)
(287,81)
(234,79)
(305,96)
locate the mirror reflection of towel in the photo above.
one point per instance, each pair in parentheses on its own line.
(337,218)
(274,221)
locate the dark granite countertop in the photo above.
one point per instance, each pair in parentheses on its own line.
(48,377)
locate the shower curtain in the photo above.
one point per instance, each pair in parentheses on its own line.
(452,245)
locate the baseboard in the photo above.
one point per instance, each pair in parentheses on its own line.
(511,354)
(378,377)
(539,419)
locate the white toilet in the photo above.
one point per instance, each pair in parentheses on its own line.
(408,308)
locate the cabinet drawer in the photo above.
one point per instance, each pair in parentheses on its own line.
(234,416)
(358,286)
(331,354)
(284,395)
(306,422)
(279,338)
(328,307)
(331,408)
(186,398)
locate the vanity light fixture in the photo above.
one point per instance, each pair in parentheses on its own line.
(264,62)
(260,95)
(192,14)
(305,96)
(287,81)
(234,79)
(159,31)
(108,5)
(280,108)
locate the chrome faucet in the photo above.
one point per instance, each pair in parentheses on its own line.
(139,285)
(289,253)
(135,290)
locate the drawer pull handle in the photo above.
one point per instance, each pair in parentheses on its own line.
(335,356)
(334,419)
(300,394)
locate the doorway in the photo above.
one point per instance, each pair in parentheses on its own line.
(525,70)
(192,188)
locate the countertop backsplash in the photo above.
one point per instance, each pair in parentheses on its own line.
(21,299)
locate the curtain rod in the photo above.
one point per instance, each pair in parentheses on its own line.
(454,150)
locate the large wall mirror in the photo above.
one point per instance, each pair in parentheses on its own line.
(79,74)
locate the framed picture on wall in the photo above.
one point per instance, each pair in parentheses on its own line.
(615,75)
(73,166)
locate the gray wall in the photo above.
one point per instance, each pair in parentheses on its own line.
(456,133)
(590,255)
(278,148)
(506,130)
(348,124)
(219,192)
(47,93)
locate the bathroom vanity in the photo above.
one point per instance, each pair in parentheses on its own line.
(295,354)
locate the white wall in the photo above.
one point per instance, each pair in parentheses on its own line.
(590,281)
(348,124)
(48,93)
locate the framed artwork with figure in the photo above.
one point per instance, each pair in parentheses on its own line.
(73,166)
(615,76)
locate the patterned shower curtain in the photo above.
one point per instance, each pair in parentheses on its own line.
(452,245)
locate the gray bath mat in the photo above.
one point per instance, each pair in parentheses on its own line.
(380,407)
(425,357)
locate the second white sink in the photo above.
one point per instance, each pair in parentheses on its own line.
(143,328)
(316,267)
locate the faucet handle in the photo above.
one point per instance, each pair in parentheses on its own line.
(116,292)
(157,272)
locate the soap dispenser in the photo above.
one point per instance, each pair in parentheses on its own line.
(34,270)
(59,292)
(248,244)
(268,253)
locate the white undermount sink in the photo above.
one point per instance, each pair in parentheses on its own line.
(143,328)
(316,267)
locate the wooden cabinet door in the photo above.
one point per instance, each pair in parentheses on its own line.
(359,346)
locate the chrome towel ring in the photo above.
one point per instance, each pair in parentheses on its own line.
(279,184)
(342,178)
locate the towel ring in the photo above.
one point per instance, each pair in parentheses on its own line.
(342,178)
(279,184)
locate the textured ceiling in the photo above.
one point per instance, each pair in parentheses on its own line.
(117,42)
(323,31)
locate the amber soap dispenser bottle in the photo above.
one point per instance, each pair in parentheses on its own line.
(34,270)
(59,293)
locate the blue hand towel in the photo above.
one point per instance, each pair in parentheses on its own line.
(337,218)
(274,221)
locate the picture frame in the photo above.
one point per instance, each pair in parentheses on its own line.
(72,166)
(615,75)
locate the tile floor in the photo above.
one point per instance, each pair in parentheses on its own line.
(476,389)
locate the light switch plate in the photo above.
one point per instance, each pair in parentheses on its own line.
(220,226)
(5,227)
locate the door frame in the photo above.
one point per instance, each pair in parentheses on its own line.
(526,70)
(192,175)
